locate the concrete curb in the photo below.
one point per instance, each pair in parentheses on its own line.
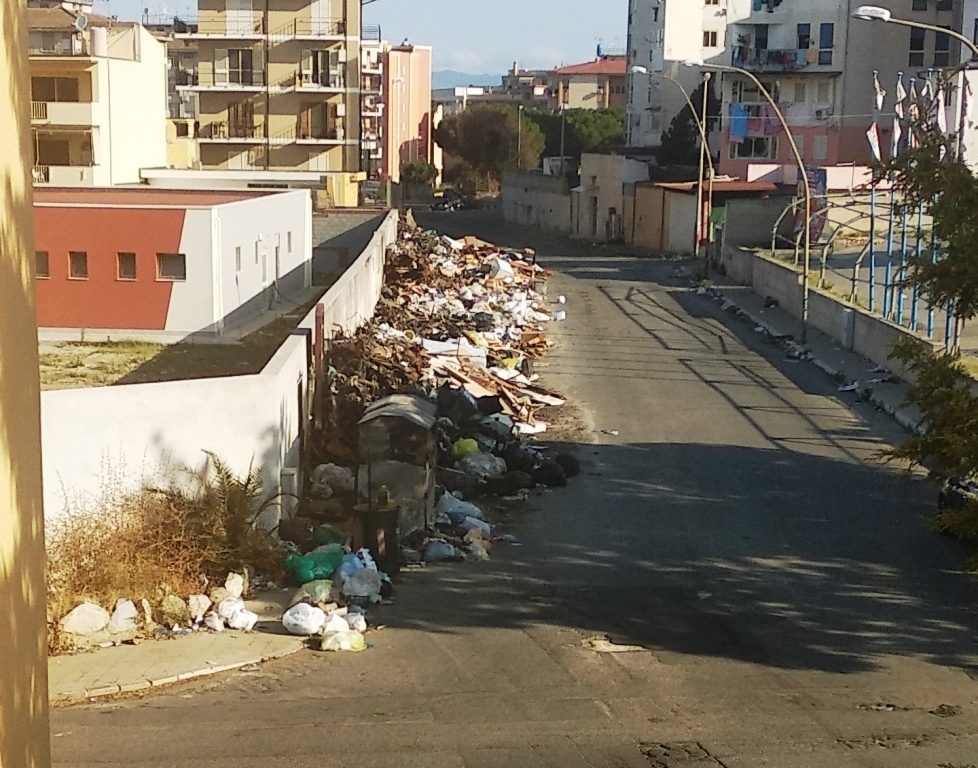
(901,415)
(143,685)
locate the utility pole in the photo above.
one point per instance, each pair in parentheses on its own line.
(698,236)
(24,735)
(563,122)
(519,137)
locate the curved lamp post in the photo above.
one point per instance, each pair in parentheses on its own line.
(801,170)
(704,150)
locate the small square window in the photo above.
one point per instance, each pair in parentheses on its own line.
(237,258)
(78,265)
(171,266)
(42,265)
(126,266)
(183,130)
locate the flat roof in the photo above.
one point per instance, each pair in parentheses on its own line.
(134,196)
(718,186)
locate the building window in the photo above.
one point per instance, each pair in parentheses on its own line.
(183,130)
(761,148)
(42,265)
(171,266)
(713,2)
(709,39)
(78,265)
(126,263)
(945,5)
(826,42)
(820,150)
(804,36)
(241,66)
(919,5)
(237,258)
(801,92)
(823,93)
(942,49)
(916,47)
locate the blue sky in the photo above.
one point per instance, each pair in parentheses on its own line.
(476,36)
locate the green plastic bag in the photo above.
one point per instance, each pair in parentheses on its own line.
(463,447)
(316,565)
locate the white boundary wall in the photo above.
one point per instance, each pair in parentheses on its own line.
(134,429)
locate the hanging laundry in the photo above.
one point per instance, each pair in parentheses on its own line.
(772,125)
(738,123)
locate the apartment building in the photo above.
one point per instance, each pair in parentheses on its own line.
(407,89)
(278,86)
(373,50)
(98,97)
(597,84)
(818,62)
(661,35)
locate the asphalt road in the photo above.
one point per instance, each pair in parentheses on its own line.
(790,606)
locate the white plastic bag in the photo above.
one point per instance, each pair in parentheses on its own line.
(365,583)
(336,623)
(244,620)
(351,640)
(483,465)
(304,620)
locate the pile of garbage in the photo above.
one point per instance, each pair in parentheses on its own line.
(88,624)
(463,311)
(337,586)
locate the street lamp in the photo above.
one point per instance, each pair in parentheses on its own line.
(704,151)
(519,137)
(801,170)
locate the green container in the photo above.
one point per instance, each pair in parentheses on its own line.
(382,536)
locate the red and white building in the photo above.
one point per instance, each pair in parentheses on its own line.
(167,264)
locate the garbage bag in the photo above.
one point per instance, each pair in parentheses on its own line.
(473,524)
(304,620)
(466,446)
(351,640)
(339,479)
(316,565)
(456,509)
(336,622)
(243,620)
(483,465)
(314,592)
(439,550)
(478,551)
(364,584)
(357,621)
(327,534)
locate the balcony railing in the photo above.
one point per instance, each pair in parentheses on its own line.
(234,79)
(229,131)
(63,175)
(67,45)
(229,28)
(335,80)
(183,77)
(771,59)
(39,110)
(63,112)
(315,28)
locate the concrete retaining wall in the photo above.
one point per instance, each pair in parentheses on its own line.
(127,433)
(535,200)
(853,327)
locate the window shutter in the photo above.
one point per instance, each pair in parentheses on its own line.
(257,67)
(221,66)
(306,76)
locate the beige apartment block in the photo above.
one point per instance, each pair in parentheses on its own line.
(279,85)
(98,96)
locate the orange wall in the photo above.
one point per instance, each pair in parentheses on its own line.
(104,301)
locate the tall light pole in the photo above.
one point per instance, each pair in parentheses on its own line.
(704,151)
(806,266)
(563,121)
(519,136)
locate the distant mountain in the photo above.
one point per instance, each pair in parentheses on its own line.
(450,78)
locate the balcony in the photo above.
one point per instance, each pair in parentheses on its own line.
(245,81)
(63,175)
(310,29)
(314,135)
(54,113)
(771,59)
(58,44)
(321,82)
(372,107)
(246,28)
(222,132)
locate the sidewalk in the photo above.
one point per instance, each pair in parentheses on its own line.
(846,367)
(153,663)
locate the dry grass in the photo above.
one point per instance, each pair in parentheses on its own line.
(98,364)
(146,544)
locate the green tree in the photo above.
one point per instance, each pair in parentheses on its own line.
(680,142)
(943,392)
(419,172)
(585,130)
(490,139)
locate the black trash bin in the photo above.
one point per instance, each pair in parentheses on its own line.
(382,536)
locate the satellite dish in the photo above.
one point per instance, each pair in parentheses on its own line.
(81,22)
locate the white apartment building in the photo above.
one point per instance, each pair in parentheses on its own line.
(98,97)
(818,62)
(661,35)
